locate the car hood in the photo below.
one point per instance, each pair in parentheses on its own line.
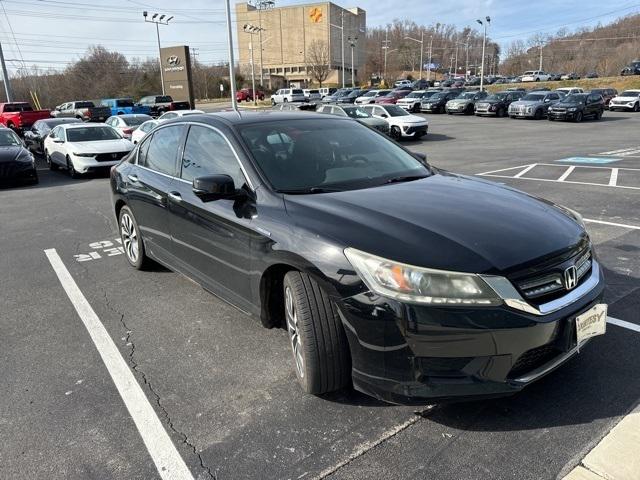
(10,154)
(408,120)
(625,99)
(444,221)
(527,102)
(102,146)
(568,104)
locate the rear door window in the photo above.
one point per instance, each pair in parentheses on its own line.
(163,150)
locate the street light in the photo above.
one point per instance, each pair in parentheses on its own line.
(341,28)
(159,21)
(484,41)
(232,78)
(421,42)
(252,30)
(353,41)
(261,5)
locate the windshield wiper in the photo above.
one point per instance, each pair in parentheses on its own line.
(405,178)
(303,191)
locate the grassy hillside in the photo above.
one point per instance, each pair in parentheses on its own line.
(619,83)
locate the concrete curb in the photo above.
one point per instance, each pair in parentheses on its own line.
(616,457)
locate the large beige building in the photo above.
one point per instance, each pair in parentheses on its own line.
(290,35)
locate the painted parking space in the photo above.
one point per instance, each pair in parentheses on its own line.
(608,177)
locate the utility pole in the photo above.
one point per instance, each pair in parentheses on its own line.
(353,41)
(158,21)
(5,77)
(540,67)
(232,77)
(484,41)
(466,62)
(430,59)
(456,58)
(386,50)
(341,28)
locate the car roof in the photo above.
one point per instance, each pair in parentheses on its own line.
(131,115)
(232,118)
(67,126)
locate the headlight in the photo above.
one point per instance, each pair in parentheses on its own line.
(27,158)
(529,109)
(492,108)
(407,283)
(84,154)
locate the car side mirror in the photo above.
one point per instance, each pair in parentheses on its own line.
(58,140)
(384,115)
(213,187)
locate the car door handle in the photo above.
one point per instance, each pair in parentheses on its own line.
(133,178)
(175,196)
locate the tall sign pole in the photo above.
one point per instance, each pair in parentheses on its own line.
(158,20)
(232,77)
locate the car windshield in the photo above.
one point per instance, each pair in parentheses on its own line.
(326,155)
(528,73)
(414,95)
(9,139)
(467,95)
(84,105)
(356,112)
(125,102)
(391,95)
(137,120)
(91,134)
(496,97)
(395,111)
(164,99)
(533,97)
(575,98)
(630,93)
(370,93)
(355,94)
(437,96)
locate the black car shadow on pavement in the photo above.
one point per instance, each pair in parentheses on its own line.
(48,178)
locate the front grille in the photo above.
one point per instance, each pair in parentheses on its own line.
(550,281)
(558,110)
(110,157)
(7,170)
(410,130)
(533,359)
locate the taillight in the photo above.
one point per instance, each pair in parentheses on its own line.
(89,113)
(127,131)
(172,106)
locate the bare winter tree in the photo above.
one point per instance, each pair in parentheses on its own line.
(317,60)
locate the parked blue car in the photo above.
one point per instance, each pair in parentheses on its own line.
(120,106)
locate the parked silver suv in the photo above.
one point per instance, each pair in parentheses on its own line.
(534,104)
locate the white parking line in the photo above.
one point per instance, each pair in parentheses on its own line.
(613,180)
(623,324)
(524,171)
(613,224)
(168,461)
(566,173)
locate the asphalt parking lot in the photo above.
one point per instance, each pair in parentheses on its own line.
(224,387)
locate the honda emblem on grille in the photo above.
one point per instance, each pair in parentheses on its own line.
(570,277)
(114,155)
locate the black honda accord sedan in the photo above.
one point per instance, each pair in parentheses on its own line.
(412,283)
(16,162)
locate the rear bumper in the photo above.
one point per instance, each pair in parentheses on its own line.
(413,354)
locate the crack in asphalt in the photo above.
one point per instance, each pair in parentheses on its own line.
(368,446)
(136,368)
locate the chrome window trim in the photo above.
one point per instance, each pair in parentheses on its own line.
(217,130)
(512,298)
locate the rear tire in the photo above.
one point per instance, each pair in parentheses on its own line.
(131,240)
(318,341)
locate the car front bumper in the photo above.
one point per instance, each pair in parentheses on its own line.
(17,171)
(561,115)
(411,131)
(414,354)
(522,114)
(433,108)
(90,164)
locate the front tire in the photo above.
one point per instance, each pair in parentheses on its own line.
(73,173)
(131,240)
(47,158)
(578,117)
(636,107)
(318,340)
(538,115)
(395,133)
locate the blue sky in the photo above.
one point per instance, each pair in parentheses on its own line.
(55,32)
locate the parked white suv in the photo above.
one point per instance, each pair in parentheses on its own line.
(627,100)
(401,123)
(370,96)
(312,94)
(535,76)
(287,95)
(403,83)
(569,90)
(412,102)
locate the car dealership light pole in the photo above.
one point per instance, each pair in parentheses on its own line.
(421,42)
(232,77)
(353,41)
(252,30)
(484,41)
(262,5)
(341,28)
(158,20)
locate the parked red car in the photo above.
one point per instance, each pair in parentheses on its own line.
(392,97)
(607,94)
(246,94)
(19,116)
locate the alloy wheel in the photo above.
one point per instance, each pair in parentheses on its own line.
(291,314)
(129,237)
